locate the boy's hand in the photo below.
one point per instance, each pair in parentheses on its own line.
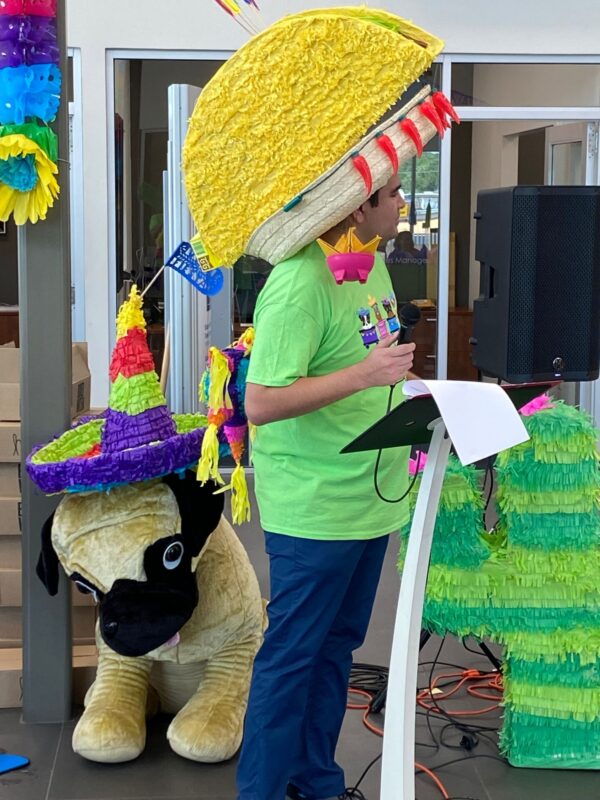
(387,363)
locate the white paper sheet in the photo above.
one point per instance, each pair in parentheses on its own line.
(479,417)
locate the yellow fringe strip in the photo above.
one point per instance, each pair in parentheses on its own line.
(208,466)
(246,339)
(218,396)
(130,314)
(240,502)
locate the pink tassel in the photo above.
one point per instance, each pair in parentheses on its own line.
(429,111)
(444,106)
(386,144)
(360,163)
(411,130)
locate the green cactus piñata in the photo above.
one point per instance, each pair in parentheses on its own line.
(533,588)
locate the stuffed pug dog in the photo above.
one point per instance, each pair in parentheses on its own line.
(180,612)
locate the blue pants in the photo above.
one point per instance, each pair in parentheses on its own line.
(322,594)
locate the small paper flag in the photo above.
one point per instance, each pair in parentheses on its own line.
(184,262)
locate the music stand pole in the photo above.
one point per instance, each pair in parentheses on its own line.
(398,779)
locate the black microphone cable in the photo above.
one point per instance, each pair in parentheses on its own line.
(408,316)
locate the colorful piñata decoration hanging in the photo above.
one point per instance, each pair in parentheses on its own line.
(30,87)
(223,388)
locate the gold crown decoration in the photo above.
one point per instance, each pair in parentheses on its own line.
(349,243)
(280,131)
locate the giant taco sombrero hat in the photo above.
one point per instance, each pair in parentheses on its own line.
(137,438)
(286,139)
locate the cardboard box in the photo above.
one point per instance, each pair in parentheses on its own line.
(10,516)
(85,661)
(10,552)
(10,479)
(11,593)
(10,377)
(10,442)
(11,625)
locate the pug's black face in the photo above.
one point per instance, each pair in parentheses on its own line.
(139,616)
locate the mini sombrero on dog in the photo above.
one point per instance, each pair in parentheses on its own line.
(136,439)
(280,147)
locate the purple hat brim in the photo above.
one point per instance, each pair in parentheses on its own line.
(103,471)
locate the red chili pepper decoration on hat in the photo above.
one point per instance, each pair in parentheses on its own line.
(411,130)
(429,111)
(444,106)
(388,148)
(360,162)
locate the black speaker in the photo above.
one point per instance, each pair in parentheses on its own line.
(538,313)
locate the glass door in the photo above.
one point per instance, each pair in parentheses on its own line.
(572,154)
(572,160)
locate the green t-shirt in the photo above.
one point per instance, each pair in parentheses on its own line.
(307,325)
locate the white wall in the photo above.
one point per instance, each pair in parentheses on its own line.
(468,26)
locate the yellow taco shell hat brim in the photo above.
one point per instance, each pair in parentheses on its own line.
(289,106)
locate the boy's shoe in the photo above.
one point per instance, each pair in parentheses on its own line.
(293,793)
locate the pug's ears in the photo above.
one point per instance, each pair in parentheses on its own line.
(200,508)
(47,568)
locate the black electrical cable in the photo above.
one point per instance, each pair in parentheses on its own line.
(464,758)
(489,471)
(378,461)
(365,771)
(470,649)
(471,733)
(373,678)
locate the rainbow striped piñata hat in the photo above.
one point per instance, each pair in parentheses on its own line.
(137,438)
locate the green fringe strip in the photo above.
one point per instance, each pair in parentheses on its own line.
(562,566)
(136,394)
(499,583)
(570,673)
(186,423)
(528,740)
(498,623)
(457,540)
(564,702)
(554,531)
(528,475)
(554,647)
(561,435)
(74,442)
(567,502)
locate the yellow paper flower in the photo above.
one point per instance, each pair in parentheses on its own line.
(33,205)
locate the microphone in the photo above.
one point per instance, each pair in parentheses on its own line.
(408,316)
